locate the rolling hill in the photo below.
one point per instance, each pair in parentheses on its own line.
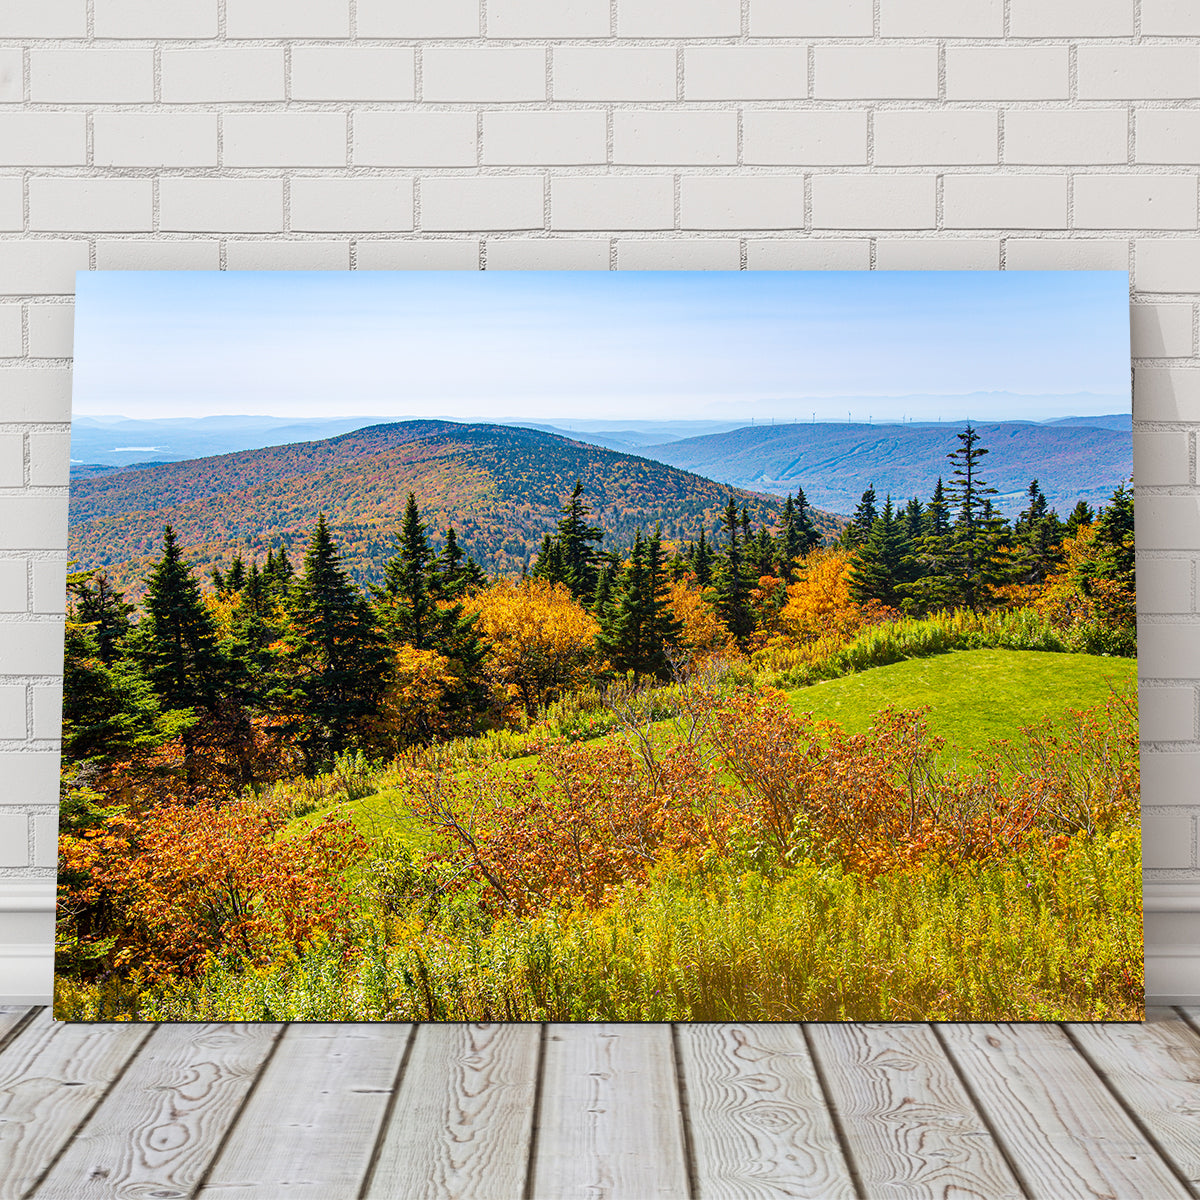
(836,463)
(502,488)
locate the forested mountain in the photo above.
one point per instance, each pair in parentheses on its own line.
(835,463)
(501,487)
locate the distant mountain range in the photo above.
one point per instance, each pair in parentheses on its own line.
(502,488)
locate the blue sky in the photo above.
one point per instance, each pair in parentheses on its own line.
(628,345)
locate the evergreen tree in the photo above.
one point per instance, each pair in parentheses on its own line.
(92,601)
(733,605)
(968,493)
(881,567)
(810,539)
(638,627)
(1114,537)
(789,541)
(702,561)
(576,536)
(761,554)
(254,630)
(933,586)
(407,607)
(914,519)
(450,576)
(549,564)
(859,529)
(1037,533)
(1082,514)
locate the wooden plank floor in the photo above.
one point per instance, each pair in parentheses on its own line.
(599,1112)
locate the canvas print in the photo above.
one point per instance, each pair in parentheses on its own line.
(600,646)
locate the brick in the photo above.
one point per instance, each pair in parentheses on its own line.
(14,585)
(785,137)
(745,73)
(418,18)
(1170,18)
(309,139)
(124,139)
(613,73)
(876,72)
(379,254)
(1167,839)
(1007,73)
(358,73)
(488,202)
(1168,266)
(35,394)
(1167,714)
(156,18)
(810,18)
(348,205)
(742,202)
(158,255)
(468,74)
(666,136)
(259,255)
(1169,523)
(47,710)
(33,523)
(49,585)
(14,840)
(1168,651)
(554,138)
(941,18)
(191,204)
(1004,202)
(12,76)
(30,776)
(43,139)
(123,205)
(1167,135)
(1160,330)
(547,18)
(287,18)
(1065,254)
(45,834)
(10,331)
(678,18)
(91,76)
(31,647)
(1071,18)
(415,139)
(1161,458)
(914,138)
(1166,394)
(12,215)
(1060,137)
(612,202)
(1170,779)
(12,460)
(45,19)
(222,76)
(1135,201)
(547,254)
(49,459)
(659,254)
(937,254)
(873,202)
(12,712)
(1138,72)
(1164,585)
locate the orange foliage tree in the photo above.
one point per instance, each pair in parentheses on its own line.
(818,603)
(704,633)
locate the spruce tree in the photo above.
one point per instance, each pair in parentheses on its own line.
(968,493)
(576,536)
(733,591)
(702,561)
(1037,532)
(933,586)
(92,601)
(856,533)
(881,568)
(549,563)
(407,607)
(1082,514)
(638,628)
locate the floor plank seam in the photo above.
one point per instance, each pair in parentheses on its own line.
(16,1031)
(685,1118)
(91,1112)
(1027,1189)
(389,1108)
(535,1117)
(1186,1018)
(1125,1107)
(835,1117)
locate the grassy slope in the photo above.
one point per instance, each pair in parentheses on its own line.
(974,695)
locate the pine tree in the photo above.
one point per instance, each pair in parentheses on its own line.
(639,628)
(732,589)
(810,539)
(549,563)
(969,493)
(933,586)
(450,575)
(406,604)
(1114,535)
(1082,514)
(859,529)
(761,554)
(578,554)
(881,568)
(702,561)
(93,602)
(1037,532)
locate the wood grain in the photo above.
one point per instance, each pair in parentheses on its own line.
(11,1018)
(157,1130)
(1059,1123)
(760,1128)
(610,1121)
(461,1124)
(51,1076)
(1155,1068)
(909,1124)
(310,1127)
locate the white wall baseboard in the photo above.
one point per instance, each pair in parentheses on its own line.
(26,967)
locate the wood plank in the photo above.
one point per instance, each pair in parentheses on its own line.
(758,1120)
(159,1127)
(610,1125)
(51,1076)
(463,1116)
(909,1124)
(1155,1068)
(12,1017)
(1060,1125)
(311,1125)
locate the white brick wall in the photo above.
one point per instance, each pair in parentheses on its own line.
(579,134)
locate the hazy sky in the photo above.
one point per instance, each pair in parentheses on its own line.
(637,344)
